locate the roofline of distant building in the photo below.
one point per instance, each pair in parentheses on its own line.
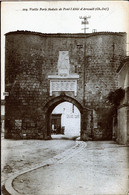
(83,35)
(123,63)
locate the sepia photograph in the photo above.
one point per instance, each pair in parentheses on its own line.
(65,98)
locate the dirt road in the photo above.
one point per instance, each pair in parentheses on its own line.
(99,168)
(19,154)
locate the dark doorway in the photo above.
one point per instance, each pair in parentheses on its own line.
(56,124)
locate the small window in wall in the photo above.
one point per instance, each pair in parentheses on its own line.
(75,69)
(95,125)
(99,124)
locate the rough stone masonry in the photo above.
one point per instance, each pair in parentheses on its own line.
(31,68)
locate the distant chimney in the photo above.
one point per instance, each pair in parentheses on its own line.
(94,30)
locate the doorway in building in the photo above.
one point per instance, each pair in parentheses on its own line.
(65,121)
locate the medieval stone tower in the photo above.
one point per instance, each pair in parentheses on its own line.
(43,70)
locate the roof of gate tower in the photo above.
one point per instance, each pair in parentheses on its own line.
(83,35)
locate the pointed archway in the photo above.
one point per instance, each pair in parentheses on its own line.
(56,101)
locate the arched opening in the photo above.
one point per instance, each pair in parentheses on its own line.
(53,106)
(65,121)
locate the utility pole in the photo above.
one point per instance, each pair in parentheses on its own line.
(85,23)
(86,110)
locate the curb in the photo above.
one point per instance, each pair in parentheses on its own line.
(58,158)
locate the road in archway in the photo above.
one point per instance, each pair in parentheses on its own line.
(98,168)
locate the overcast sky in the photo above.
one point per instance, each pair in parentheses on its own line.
(35,16)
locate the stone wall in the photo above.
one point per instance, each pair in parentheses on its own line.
(123,126)
(122,132)
(31,57)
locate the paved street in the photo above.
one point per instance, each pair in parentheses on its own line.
(88,168)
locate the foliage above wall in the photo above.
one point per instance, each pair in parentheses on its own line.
(114,97)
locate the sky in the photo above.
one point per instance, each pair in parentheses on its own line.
(61,17)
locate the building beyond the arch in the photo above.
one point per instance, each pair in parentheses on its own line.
(41,67)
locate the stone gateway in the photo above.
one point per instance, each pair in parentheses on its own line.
(44,70)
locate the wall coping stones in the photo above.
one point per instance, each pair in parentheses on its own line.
(61,35)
